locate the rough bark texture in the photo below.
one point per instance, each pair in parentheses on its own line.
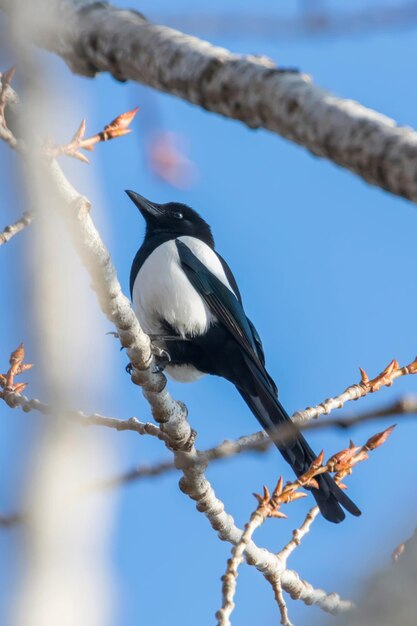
(96,37)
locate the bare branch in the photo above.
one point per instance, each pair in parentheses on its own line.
(257,442)
(299,534)
(269,505)
(116,128)
(15,399)
(171,415)
(12,230)
(354,392)
(11,520)
(261,441)
(229,578)
(280,600)
(97,37)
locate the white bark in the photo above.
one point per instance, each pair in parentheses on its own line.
(96,37)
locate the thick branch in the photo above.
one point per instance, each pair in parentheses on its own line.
(96,37)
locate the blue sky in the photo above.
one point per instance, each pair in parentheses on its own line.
(325,264)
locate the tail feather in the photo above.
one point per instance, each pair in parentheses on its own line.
(297,452)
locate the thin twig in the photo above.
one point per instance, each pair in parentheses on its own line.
(280,600)
(258,442)
(305,420)
(299,533)
(12,229)
(356,391)
(11,394)
(14,400)
(10,520)
(342,464)
(140,472)
(116,128)
(229,578)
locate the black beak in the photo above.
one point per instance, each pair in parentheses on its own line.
(146,207)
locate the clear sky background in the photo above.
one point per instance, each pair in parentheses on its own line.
(326,266)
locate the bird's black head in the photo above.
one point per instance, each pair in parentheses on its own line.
(173,219)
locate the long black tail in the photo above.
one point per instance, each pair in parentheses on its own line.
(270,413)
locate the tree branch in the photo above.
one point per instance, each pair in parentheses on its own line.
(256,442)
(299,533)
(269,505)
(170,414)
(12,230)
(97,37)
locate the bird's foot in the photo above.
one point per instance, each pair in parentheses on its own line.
(162,358)
(116,336)
(160,353)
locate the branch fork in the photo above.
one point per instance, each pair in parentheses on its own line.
(269,505)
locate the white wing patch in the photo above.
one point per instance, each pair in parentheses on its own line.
(162,290)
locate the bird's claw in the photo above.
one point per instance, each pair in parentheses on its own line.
(160,353)
(162,358)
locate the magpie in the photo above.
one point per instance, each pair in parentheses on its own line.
(187,299)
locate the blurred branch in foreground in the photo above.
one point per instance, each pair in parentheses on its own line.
(15,228)
(62,550)
(96,37)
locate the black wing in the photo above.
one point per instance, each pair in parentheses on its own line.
(263,401)
(227,307)
(222,302)
(230,277)
(233,284)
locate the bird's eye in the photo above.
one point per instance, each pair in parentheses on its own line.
(178,215)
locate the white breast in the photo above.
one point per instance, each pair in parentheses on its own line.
(162,290)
